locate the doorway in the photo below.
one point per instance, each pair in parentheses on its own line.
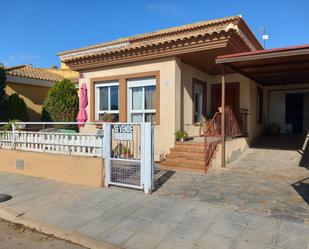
(294,109)
(231,96)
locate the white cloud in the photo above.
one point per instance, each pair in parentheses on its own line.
(167,9)
(18,59)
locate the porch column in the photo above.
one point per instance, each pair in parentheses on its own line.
(223,117)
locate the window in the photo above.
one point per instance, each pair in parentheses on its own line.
(199,93)
(142,100)
(107,107)
(259,105)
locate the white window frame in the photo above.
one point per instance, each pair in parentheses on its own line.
(140,82)
(198,89)
(97,97)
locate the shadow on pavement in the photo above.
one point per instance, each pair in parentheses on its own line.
(161,177)
(302,188)
(292,142)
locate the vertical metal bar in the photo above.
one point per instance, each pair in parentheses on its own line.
(223,118)
(142,160)
(147,157)
(107,151)
(13,136)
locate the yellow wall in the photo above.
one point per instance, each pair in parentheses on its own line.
(32,95)
(72,169)
(65,72)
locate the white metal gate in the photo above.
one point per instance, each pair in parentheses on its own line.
(128,155)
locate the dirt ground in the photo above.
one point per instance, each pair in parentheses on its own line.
(18,237)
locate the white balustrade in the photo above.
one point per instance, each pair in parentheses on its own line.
(81,144)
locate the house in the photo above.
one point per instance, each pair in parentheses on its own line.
(32,84)
(172,77)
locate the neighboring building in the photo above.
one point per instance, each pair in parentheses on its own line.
(171,77)
(32,84)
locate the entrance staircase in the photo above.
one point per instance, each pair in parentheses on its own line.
(188,156)
(197,154)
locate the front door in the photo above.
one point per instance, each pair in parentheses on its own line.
(294,111)
(231,96)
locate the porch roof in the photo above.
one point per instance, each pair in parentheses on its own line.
(271,66)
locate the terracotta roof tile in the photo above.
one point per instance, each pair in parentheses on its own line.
(35,73)
(155,38)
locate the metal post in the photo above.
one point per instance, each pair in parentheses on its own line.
(107,142)
(223,118)
(147,163)
(13,136)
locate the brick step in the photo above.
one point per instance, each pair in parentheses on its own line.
(188,148)
(189,144)
(181,162)
(167,167)
(187,155)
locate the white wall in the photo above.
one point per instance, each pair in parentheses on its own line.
(277,108)
(276,104)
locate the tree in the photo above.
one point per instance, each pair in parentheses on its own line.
(61,103)
(2,92)
(16,109)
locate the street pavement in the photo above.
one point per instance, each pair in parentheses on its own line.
(256,202)
(14,236)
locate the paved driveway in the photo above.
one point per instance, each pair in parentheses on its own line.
(251,204)
(272,179)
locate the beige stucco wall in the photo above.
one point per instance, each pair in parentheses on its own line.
(169,78)
(255,130)
(73,169)
(32,95)
(176,100)
(248,100)
(187,74)
(233,149)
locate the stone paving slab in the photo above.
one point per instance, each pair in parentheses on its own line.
(251,204)
(130,219)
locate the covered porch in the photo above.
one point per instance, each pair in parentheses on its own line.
(282,78)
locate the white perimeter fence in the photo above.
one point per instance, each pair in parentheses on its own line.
(127,148)
(45,137)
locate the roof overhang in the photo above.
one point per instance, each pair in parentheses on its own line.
(28,81)
(232,33)
(272,66)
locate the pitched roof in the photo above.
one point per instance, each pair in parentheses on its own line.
(35,73)
(166,36)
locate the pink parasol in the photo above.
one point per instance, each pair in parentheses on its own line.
(83,102)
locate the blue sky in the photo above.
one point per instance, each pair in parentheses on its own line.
(33,31)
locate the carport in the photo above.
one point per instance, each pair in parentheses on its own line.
(283,76)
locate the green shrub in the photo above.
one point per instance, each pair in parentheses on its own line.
(61,103)
(15,108)
(181,135)
(2,92)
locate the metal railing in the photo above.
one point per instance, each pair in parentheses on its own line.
(235,123)
(235,126)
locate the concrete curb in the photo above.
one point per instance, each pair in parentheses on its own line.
(10,215)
